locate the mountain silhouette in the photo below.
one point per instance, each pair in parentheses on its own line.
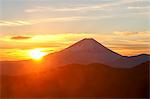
(84,52)
(89,51)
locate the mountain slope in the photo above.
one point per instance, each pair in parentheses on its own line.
(85,51)
(89,51)
(132,61)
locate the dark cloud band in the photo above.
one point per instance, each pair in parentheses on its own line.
(20,37)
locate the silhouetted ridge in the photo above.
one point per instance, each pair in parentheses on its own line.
(75,81)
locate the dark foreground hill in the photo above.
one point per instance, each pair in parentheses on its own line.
(93,80)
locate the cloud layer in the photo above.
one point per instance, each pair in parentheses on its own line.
(20,38)
(127,33)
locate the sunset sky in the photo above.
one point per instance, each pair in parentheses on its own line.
(51,25)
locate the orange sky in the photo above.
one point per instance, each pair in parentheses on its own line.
(18,47)
(52,25)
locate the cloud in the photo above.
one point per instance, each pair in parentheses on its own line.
(138,8)
(129,43)
(79,8)
(86,7)
(50,19)
(36,21)
(20,38)
(130,46)
(14,22)
(127,33)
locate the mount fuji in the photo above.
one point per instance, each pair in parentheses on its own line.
(89,51)
(85,52)
(86,69)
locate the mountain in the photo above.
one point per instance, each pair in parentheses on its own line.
(84,52)
(86,69)
(76,81)
(131,61)
(89,51)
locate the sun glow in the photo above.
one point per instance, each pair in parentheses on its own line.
(36,54)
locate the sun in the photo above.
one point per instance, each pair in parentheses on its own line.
(36,54)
